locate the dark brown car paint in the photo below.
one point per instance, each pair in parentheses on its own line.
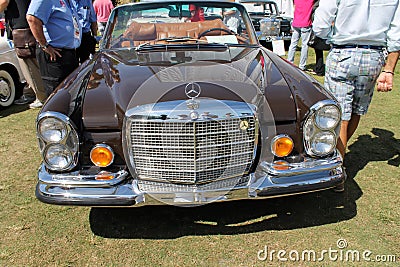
(112,79)
(128,78)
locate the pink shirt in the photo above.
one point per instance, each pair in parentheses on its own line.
(103,9)
(302,13)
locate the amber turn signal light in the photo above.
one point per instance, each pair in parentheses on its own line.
(102,155)
(282,145)
(281,165)
(104,176)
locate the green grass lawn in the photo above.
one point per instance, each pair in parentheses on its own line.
(366,217)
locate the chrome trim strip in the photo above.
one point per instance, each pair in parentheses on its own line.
(202,183)
(200,134)
(120,195)
(194,171)
(217,145)
(175,108)
(269,188)
(309,165)
(77,179)
(198,159)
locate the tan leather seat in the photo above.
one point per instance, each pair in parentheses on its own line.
(139,33)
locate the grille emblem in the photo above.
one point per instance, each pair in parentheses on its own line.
(192,104)
(192,90)
(244,125)
(194,115)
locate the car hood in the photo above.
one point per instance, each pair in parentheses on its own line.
(124,79)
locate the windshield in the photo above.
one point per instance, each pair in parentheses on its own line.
(178,23)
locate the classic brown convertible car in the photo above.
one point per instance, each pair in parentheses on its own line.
(185,109)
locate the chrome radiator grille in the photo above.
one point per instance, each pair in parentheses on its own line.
(158,187)
(192,152)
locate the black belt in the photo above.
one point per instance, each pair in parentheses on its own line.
(375,47)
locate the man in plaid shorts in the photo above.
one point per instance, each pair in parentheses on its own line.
(360,33)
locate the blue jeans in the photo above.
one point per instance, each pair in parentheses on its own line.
(304,33)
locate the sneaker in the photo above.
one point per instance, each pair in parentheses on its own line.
(311,71)
(36,104)
(24,100)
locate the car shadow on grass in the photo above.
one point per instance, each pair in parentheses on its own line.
(250,216)
(226,218)
(5,112)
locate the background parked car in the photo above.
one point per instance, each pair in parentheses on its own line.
(11,77)
(268,21)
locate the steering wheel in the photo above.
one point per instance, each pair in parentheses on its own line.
(215,29)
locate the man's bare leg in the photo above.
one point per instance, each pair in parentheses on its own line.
(347,130)
(353,124)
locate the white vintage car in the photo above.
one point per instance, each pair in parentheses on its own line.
(11,77)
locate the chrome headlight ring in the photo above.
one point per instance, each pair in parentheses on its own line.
(321,128)
(58,141)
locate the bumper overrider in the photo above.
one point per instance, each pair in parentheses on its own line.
(78,188)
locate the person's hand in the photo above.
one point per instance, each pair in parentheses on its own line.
(53,52)
(385,82)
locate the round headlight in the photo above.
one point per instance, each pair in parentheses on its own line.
(323,143)
(58,156)
(52,129)
(327,117)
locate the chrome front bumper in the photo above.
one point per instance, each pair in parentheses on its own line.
(78,189)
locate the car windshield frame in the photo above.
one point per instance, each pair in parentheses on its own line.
(272,9)
(173,14)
